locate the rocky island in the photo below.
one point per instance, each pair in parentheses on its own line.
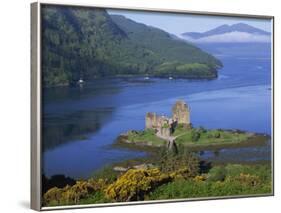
(177,131)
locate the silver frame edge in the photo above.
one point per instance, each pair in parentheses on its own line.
(35,195)
(152,9)
(36,107)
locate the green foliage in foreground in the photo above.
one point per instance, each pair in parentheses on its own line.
(89,43)
(217,174)
(238,180)
(166,181)
(184,160)
(172,176)
(194,189)
(98,197)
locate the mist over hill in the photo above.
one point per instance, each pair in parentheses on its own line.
(239,33)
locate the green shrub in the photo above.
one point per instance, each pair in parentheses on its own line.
(246,179)
(147,132)
(184,164)
(214,134)
(217,174)
(262,171)
(180,126)
(195,135)
(243,184)
(98,197)
(107,173)
(201,130)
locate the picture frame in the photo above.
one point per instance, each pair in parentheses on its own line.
(38,104)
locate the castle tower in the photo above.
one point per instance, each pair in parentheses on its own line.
(181,113)
(150,120)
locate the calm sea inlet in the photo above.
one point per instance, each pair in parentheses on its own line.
(80,124)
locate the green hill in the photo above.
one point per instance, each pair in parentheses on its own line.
(89,43)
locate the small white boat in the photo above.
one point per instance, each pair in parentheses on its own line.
(170,78)
(146,78)
(80,81)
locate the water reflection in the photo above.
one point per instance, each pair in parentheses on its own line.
(60,129)
(70,113)
(236,155)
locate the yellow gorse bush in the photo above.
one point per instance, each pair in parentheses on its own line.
(181,173)
(52,195)
(199,178)
(135,183)
(72,194)
(132,185)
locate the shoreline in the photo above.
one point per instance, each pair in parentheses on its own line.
(256,139)
(65,85)
(152,152)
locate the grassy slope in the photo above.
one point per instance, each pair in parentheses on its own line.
(147,136)
(229,180)
(233,179)
(208,137)
(173,177)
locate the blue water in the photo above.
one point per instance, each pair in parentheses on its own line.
(80,124)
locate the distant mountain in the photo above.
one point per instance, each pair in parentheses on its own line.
(89,43)
(229,33)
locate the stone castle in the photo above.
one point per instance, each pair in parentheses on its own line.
(163,125)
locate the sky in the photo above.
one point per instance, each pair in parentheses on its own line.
(175,23)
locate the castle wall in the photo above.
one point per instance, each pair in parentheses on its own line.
(181,113)
(150,120)
(165,125)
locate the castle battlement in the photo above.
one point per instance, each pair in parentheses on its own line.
(164,125)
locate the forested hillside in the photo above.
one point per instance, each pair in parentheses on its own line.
(89,43)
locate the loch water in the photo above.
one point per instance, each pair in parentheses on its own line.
(80,124)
